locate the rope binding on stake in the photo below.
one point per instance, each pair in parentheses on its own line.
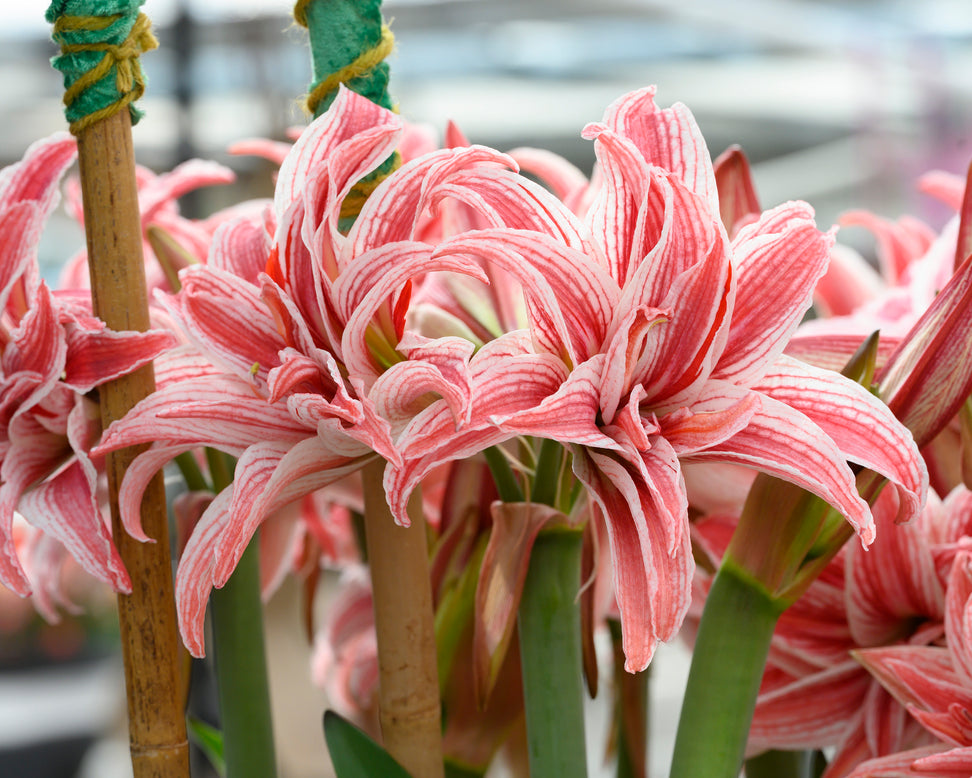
(101,41)
(349,45)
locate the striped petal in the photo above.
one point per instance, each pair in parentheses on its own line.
(785,443)
(645,510)
(783,237)
(930,375)
(668,138)
(860,424)
(269,476)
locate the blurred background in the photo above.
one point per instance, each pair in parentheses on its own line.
(841,103)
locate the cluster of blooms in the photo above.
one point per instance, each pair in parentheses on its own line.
(869,661)
(640,320)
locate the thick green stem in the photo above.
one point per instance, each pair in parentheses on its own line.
(545,481)
(780,764)
(241,671)
(630,712)
(503,475)
(550,652)
(236,612)
(727,667)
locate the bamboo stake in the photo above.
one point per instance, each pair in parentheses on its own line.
(157,731)
(409,708)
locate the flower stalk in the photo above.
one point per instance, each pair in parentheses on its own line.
(239,650)
(727,667)
(553,691)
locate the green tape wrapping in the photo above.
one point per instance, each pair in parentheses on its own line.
(88,31)
(340,31)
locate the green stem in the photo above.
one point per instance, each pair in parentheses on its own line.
(630,711)
(191,472)
(779,764)
(503,475)
(240,657)
(727,667)
(241,671)
(818,764)
(548,473)
(550,652)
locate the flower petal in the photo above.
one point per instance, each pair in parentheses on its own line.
(785,236)
(860,424)
(784,443)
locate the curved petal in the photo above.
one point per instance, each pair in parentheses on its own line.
(65,508)
(863,427)
(849,283)
(783,237)
(785,443)
(895,582)
(811,712)
(930,375)
(563,178)
(349,115)
(679,355)
(738,203)
(194,576)
(370,281)
(500,585)
(268,476)
(228,320)
(240,247)
(569,415)
(94,357)
(646,514)
(186,177)
(502,385)
(393,211)
(668,138)
(564,287)
(18,228)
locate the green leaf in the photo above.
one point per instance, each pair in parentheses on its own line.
(354,754)
(210,742)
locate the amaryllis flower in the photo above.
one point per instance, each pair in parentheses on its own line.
(924,371)
(814,694)
(935,685)
(654,339)
(306,372)
(53,354)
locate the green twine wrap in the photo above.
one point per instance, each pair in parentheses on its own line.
(349,43)
(100,41)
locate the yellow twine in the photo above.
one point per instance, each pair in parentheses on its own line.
(364,63)
(124,57)
(361,191)
(300,12)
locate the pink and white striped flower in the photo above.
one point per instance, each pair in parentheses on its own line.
(655,339)
(306,372)
(53,356)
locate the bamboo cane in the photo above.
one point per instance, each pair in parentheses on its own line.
(348,42)
(409,707)
(157,730)
(100,43)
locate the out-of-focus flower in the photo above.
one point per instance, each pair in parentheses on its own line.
(157,202)
(814,694)
(935,685)
(53,356)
